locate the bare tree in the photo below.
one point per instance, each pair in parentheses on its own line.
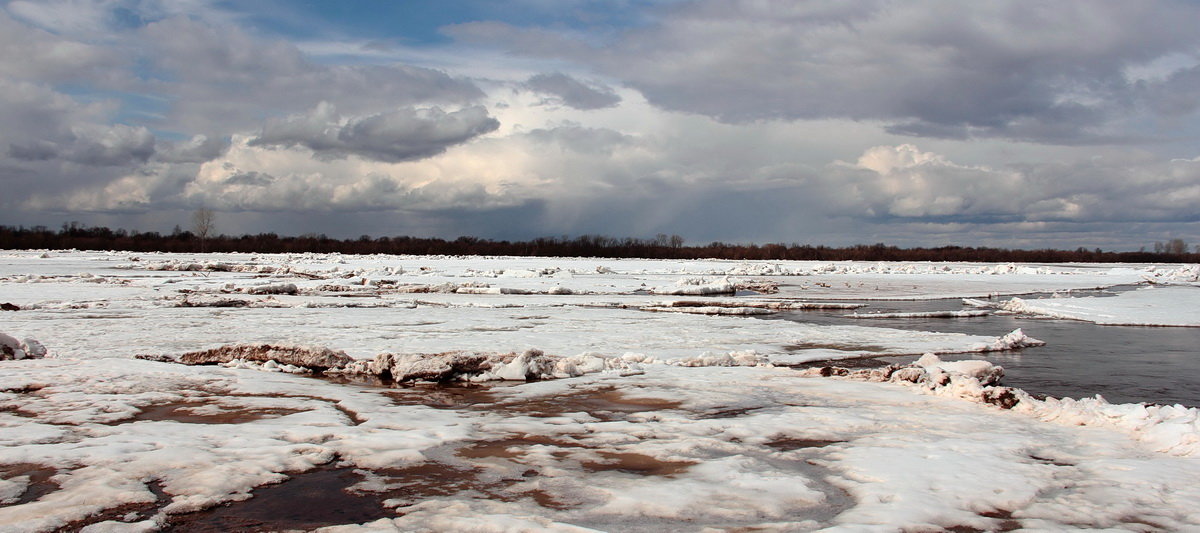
(1172,246)
(203,222)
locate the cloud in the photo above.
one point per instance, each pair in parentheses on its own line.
(92,145)
(222,79)
(1020,69)
(716,119)
(573,93)
(66,16)
(52,143)
(95,101)
(249,177)
(36,55)
(903,183)
(402,135)
(198,149)
(580,139)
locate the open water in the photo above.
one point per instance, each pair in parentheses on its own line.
(1122,363)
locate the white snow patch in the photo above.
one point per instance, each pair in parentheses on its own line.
(697,286)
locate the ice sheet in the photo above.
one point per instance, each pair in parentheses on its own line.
(1148,306)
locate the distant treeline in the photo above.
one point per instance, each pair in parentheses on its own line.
(76,236)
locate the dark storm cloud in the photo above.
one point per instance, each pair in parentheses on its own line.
(119,145)
(572,92)
(222,79)
(1044,72)
(401,135)
(1178,94)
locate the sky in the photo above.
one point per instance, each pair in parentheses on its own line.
(1011,123)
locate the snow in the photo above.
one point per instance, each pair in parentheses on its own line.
(931,461)
(648,415)
(698,286)
(1171,429)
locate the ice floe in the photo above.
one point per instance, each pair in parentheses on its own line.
(13,349)
(697,286)
(1150,306)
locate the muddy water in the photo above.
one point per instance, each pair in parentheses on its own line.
(309,500)
(183,412)
(38,483)
(1122,363)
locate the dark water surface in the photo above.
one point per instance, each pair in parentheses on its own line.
(1080,359)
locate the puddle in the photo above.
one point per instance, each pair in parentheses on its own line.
(442,396)
(307,501)
(790,444)
(504,448)
(39,480)
(407,486)
(436,395)
(606,405)
(199,412)
(854,362)
(732,412)
(130,512)
(835,346)
(1048,461)
(544,499)
(1004,522)
(636,463)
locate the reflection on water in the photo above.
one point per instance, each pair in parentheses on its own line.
(1122,363)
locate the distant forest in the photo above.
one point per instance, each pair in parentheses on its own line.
(81,237)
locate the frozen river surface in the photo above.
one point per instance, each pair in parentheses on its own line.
(593,394)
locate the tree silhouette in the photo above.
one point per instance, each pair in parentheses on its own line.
(203,222)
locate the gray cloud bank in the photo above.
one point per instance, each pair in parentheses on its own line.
(717,126)
(572,92)
(401,135)
(1020,69)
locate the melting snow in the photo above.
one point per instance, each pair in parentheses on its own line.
(640,416)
